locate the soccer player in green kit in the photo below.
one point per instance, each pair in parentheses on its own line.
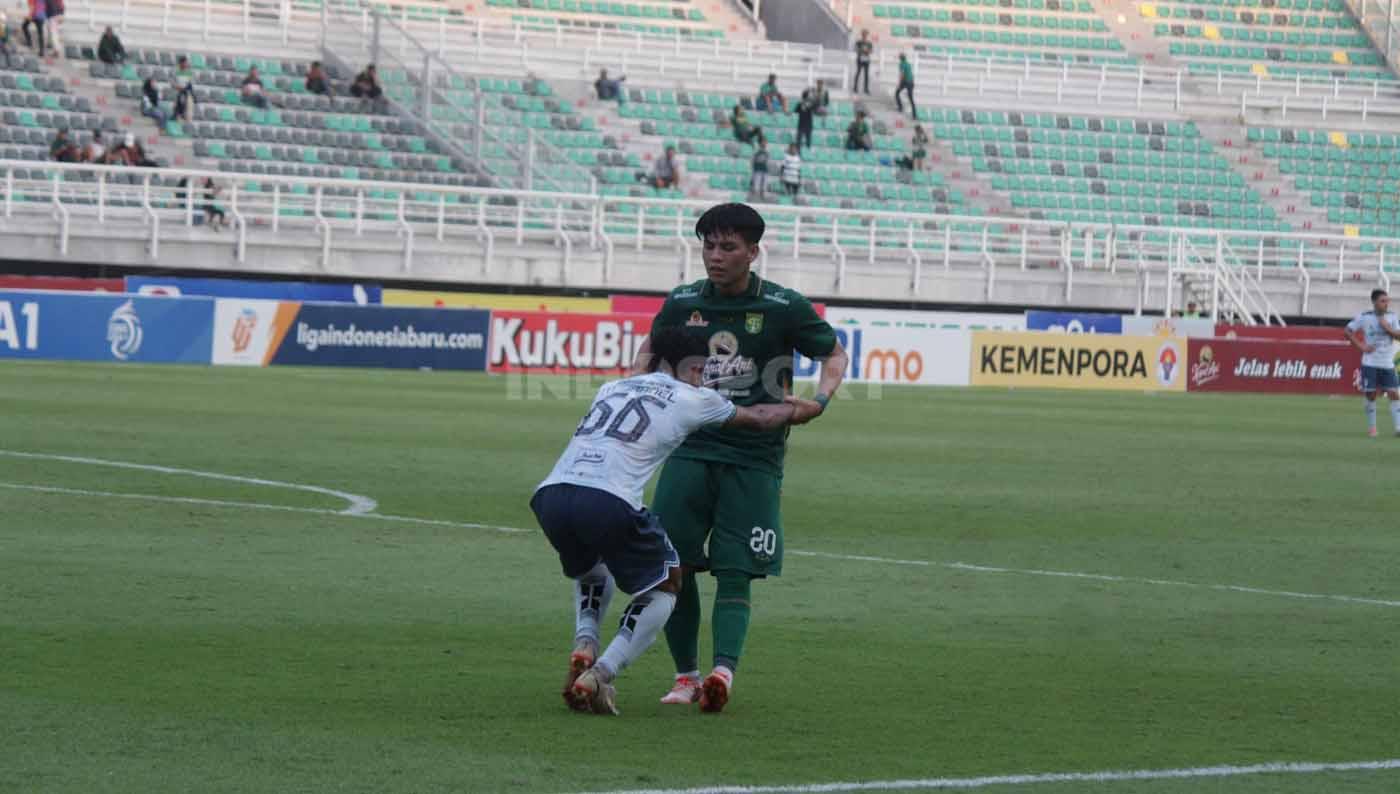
(725,484)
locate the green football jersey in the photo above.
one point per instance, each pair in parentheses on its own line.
(751,338)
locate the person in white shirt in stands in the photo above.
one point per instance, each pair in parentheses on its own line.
(1374,334)
(590,505)
(792,170)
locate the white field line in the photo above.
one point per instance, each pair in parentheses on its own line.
(363,507)
(358,504)
(963,783)
(189,500)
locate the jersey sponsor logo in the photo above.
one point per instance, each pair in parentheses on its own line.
(731,374)
(571,343)
(697,320)
(753,322)
(776,298)
(685,293)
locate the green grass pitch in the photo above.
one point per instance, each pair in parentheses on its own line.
(189,646)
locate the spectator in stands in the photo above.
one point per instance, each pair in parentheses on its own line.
(744,130)
(821,98)
(858,134)
(213,212)
(865,48)
(805,111)
(769,98)
(96,150)
(62,149)
(316,82)
(366,85)
(792,170)
(184,89)
(252,90)
(608,88)
(150,103)
(906,85)
(38,13)
(5,38)
(758,180)
(110,49)
(136,153)
(667,172)
(919,150)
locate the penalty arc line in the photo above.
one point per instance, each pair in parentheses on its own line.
(191,500)
(1111,776)
(358,504)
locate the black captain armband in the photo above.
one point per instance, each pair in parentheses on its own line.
(822,400)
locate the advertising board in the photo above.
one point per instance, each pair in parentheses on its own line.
(360,294)
(1256,365)
(1073,322)
(927,357)
(83,326)
(1078,361)
(324,334)
(539,342)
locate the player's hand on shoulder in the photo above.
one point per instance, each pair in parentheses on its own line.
(804,410)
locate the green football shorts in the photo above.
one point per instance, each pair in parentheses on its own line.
(734,507)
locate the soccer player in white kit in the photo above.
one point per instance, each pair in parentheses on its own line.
(1374,334)
(590,505)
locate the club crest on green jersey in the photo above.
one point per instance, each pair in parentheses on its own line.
(753,322)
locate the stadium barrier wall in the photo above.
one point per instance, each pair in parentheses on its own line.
(62,283)
(81,326)
(1074,323)
(1077,361)
(175,286)
(651,304)
(1284,367)
(1296,333)
(486,300)
(949,321)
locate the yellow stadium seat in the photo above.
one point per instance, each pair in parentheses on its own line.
(1259,69)
(1351,231)
(1340,56)
(1339,140)
(1211,32)
(1148,10)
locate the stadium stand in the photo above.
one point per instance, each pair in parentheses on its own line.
(1284,38)
(1350,175)
(1036,30)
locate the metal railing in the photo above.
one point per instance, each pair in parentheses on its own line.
(481,45)
(834,249)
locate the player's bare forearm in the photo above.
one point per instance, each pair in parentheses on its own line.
(833,371)
(762,417)
(1357,341)
(643,360)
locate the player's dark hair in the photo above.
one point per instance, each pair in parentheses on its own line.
(740,219)
(673,345)
(1376,293)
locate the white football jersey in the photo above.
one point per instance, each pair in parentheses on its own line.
(633,425)
(1370,326)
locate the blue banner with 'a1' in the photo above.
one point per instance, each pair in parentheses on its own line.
(103,327)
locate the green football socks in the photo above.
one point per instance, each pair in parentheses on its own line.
(683,629)
(730,621)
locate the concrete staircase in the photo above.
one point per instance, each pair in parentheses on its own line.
(1263,175)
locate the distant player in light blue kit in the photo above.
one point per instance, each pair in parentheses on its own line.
(1374,334)
(590,505)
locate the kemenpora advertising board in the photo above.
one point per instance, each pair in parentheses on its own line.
(258,333)
(546,342)
(1078,361)
(88,326)
(1252,365)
